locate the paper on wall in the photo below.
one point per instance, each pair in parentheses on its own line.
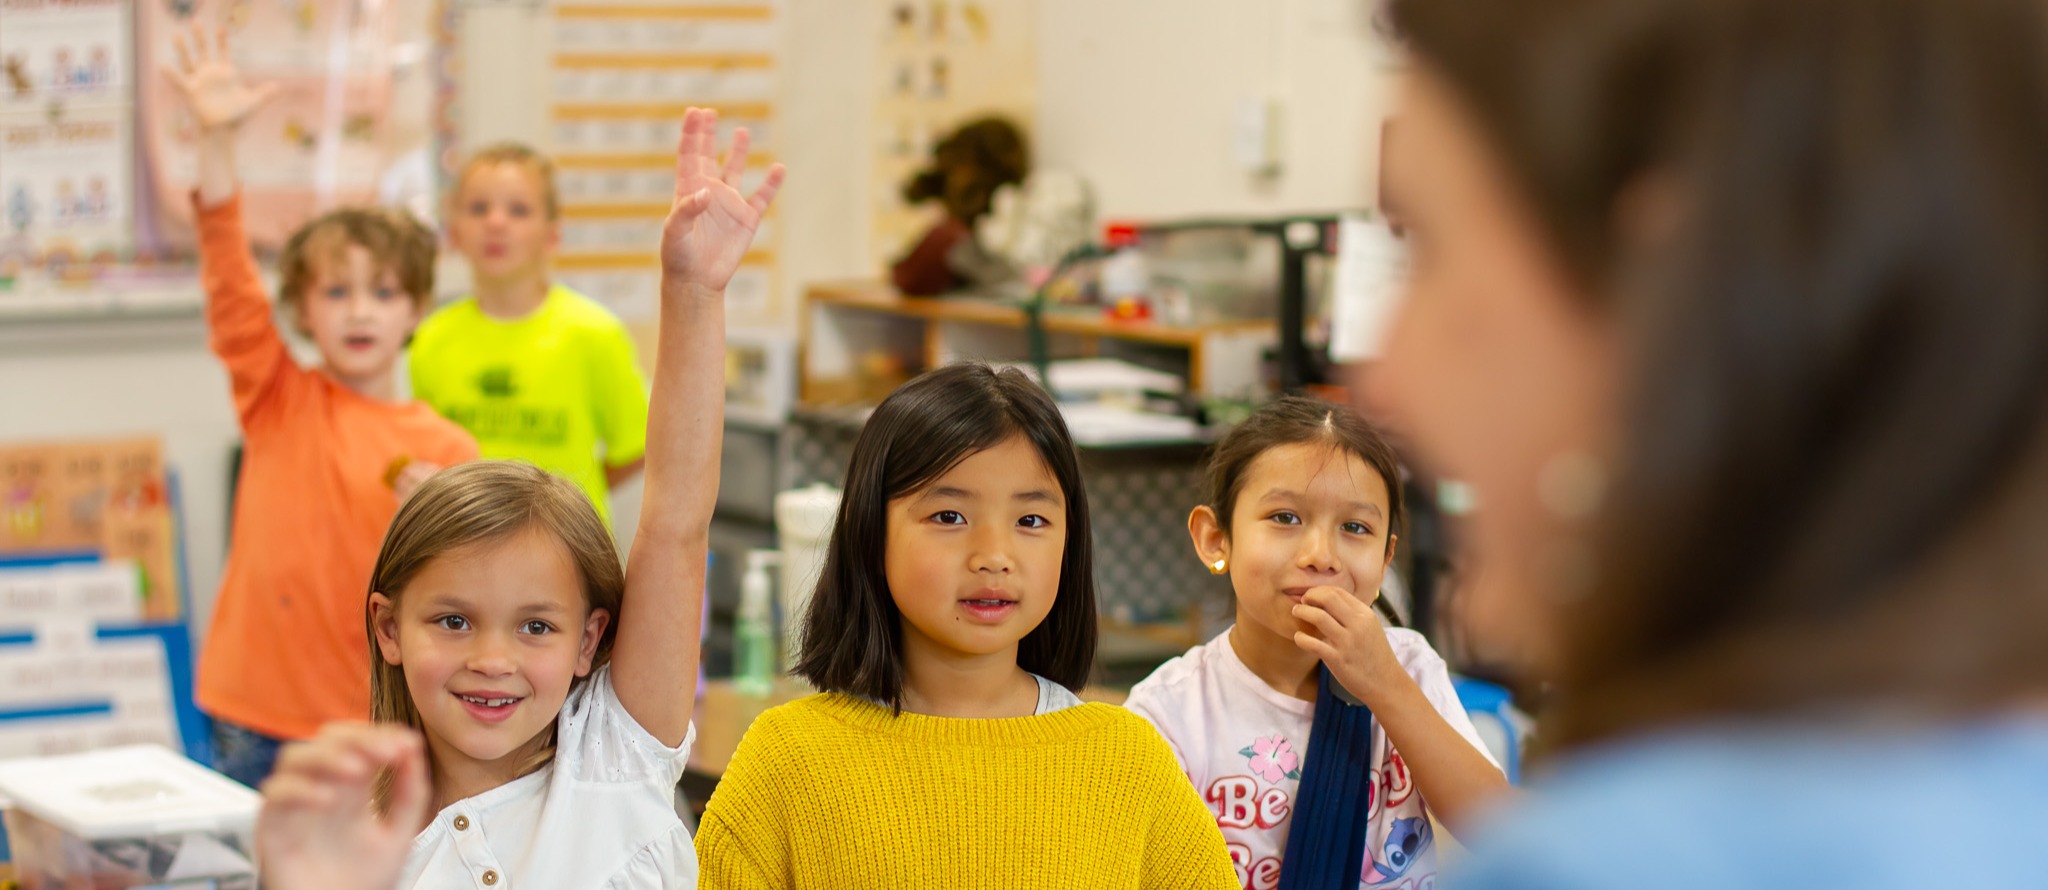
(1370,276)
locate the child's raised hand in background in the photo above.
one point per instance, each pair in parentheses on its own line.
(209,84)
(711,225)
(1348,637)
(318,828)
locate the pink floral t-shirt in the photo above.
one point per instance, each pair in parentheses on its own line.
(1242,743)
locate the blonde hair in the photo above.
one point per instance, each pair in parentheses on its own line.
(396,241)
(519,155)
(484,502)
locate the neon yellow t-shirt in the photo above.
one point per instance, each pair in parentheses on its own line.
(560,388)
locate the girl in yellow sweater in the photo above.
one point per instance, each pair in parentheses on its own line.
(953,621)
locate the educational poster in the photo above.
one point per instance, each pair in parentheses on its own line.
(942,63)
(622,75)
(66,141)
(74,50)
(106,497)
(354,122)
(65,194)
(62,687)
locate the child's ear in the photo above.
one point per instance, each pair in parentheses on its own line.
(1391,541)
(384,620)
(1211,543)
(593,632)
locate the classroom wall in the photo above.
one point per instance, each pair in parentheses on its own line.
(1137,95)
(1140,95)
(109,378)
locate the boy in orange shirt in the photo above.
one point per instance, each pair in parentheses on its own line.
(329,452)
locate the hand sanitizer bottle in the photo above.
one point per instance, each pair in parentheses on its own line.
(754,633)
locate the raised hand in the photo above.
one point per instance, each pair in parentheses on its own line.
(318,828)
(710,224)
(211,87)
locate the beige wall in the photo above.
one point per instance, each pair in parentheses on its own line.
(1137,95)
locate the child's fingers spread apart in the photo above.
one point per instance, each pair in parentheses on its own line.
(765,195)
(185,64)
(736,158)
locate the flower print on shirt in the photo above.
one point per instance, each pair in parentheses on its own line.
(1273,759)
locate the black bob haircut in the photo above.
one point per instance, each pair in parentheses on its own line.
(852,638)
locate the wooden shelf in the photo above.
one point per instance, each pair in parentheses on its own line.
(1223,356)
(1087,321)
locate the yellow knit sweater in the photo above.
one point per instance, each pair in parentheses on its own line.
(835,792)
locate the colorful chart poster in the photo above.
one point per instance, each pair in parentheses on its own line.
(106,497)
(71,49)
(66,141)
(353,123)
(622,75)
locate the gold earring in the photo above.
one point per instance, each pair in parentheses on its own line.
(1218,567)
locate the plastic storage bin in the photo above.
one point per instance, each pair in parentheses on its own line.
(132,817)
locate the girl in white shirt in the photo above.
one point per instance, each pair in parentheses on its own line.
(554,728)
(1304,498)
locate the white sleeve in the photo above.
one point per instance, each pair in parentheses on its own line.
(597,740)
(1145,701)
(1434,678)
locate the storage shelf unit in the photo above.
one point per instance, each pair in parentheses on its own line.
(846,321)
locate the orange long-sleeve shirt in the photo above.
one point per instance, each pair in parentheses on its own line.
(286,650)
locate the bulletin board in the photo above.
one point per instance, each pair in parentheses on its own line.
(95,646)
(622,75)
(942,63)
(107,497)
(96,159)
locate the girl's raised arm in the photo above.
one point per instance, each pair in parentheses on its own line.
(709,229)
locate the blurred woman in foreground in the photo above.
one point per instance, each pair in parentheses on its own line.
(1735,315)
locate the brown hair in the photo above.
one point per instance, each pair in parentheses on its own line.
(478,503)
(396,241)
(1299,420)
(1835,468)
(520,155)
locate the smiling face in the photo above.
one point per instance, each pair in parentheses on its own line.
(358,315)
(973,558)
(490,638)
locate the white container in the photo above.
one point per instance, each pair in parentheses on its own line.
(803,523)
(1125,276)
(138,816)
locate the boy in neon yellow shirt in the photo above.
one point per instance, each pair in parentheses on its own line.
(534,370)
